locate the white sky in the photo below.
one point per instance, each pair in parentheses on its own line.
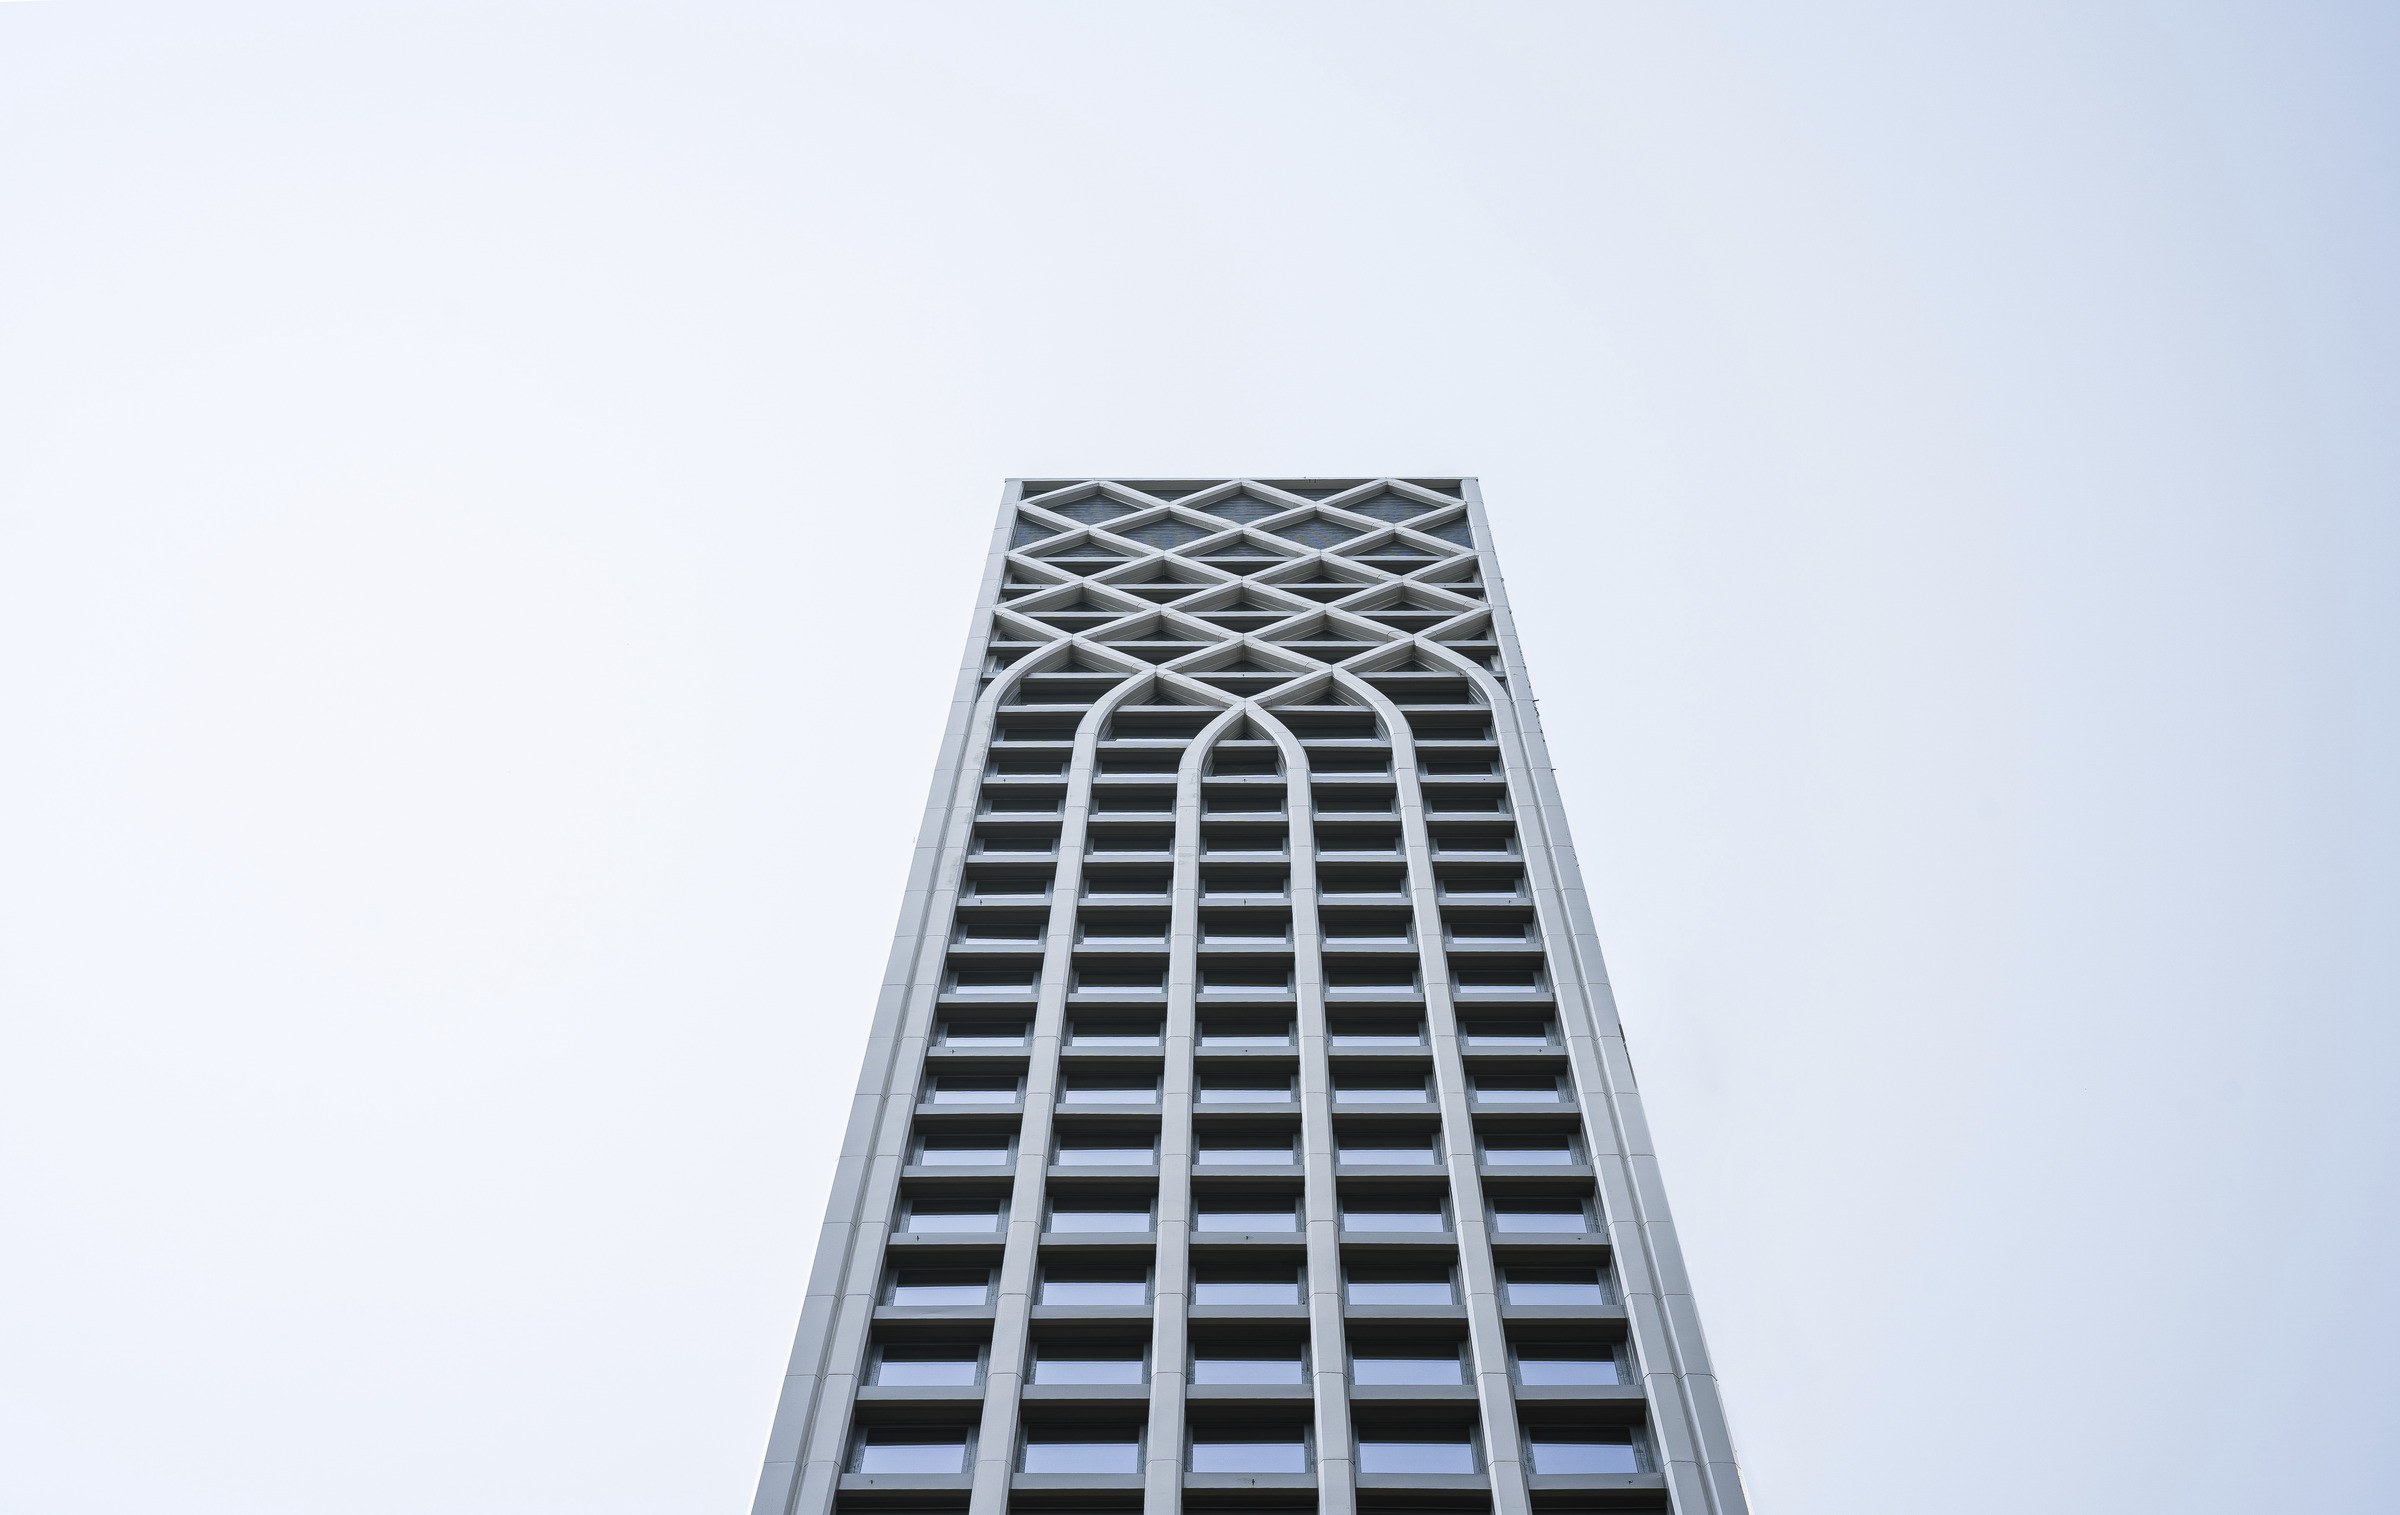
(1943,457)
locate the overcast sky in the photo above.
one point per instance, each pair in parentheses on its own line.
(490,497)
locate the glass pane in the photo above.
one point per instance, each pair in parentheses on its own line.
(1400,1289)
(1108,1094)
(1392,1220)
(1246,1220)
(1086,1366)
(1253,1157)
(926,1367)
(1378,1034)
(1219,1033)
(1114,1034)
(1601,1452)
(1406,1370)
(1419,1154)
(1237,1094)
(1064,1219)
(979,1155)
(1544,1370)
(1415,1456)
(1252,1289)
(983,1034)
(915,1288)
(1249,1456)
(1082,1456)
(1095,1291)
(1379,1094)
(939,1217)
(1104,1157)
(906,1450)
(1516,1091)
(950,1091)
(1529,1154)
(1538,1220)
(1544,1288)
(1250,1370)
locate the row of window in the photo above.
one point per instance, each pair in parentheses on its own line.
(1364,1147)
(1358,1033)
(1248,1286)
(1408,1449)
(1218,1361)
(1397,977)
(1132,1214)
(1241,1085)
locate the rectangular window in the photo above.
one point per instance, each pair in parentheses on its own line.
(1497,1035)
(1062,1287)
(1516,1089)
(1546,1216)
(1584,1450)
(1567,1366)
(1393,1213)
(1529,1151)
(1082,1449)
(1362,1035)
(1246,1215)
(1091,1033)
(1554,1286)
(1246,1151)
(1365,1089)
(927,1287)
(1099,1216)
(944,1365)
(1246,1089)
(1095,1089)
(966,1033)
(1240,981)
(1372,1149)
(992,981)
(1416,1452)
(916,1450)
(953,1090)
(1235,1364)
(1105,1152)
(1249,1452)
(1221,1031)
(963,1151)
(1246,1286)
(1400,1286)
(1069,1362)
(1397,1367)
(971,1216)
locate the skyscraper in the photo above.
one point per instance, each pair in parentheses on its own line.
(1246,1122)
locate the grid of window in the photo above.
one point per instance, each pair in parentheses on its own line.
(1246,1119)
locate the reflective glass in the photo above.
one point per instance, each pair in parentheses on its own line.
(1086,1365)
(1553,1288)
(1246,1220)
(1547,1369)
(1246,1289)
(1415,1456)
(930,1215)
(1095,1291)
(1387,1219)
(1400,1288)
(1083,1456)
(1075,1218)
(1278,1456)
(1247,1370)
(1543,1219)
(1589,1452)
(1406,1370)
(906,1449)
(927,1367)
(939,1288)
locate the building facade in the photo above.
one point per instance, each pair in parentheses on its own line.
(1246,1123)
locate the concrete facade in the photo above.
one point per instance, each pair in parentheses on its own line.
(1246,1121)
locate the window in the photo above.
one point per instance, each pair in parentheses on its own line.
(1418,1451)
(1393,1213)
(1253,1150)
(1516,1088)
(1108,1089)
(1090,1033)
(921,1287)
(1114,927)
(1221,1031)
(979,1216)
(1380,1089)
(1498,980)
(1567,1365)
(1120,980)
(1246,1089)
(954,1090)
(963,1150)
(1105,1152)
(1094,1287)
(965,1033)
(1246,1214)
(1482,1035)
(1268,981)
(1536,1151)
(943,1365)
(1251,1363)
(1361,1035)
(1086,1216)
(1401,1366)
(1393,1149)
(1073,1362)
(1554,1286)
(1584,1450)
(1544,1215)
(1249,1451)
(1400,1286)
(992,981)
(1082,1449)
(1237,1287)
(910,1449)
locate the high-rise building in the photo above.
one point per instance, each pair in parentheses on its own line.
(1246,1123)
